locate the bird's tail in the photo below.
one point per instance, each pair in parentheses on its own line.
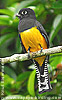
(43,77)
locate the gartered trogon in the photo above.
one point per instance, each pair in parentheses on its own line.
(33,37)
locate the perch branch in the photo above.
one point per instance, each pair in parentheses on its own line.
(23,57)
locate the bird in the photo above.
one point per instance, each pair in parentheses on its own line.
(33,37)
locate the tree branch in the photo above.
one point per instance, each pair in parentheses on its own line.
(23,57)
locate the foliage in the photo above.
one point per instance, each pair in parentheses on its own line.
(20,77)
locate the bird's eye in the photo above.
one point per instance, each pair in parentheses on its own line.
(24,12)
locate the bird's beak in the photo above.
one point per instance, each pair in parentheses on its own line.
(17,15)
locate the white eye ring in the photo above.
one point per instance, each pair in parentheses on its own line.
(22,12)
(25,12)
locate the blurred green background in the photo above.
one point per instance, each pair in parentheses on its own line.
(20,77)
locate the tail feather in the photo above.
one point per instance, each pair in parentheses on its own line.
(43,77)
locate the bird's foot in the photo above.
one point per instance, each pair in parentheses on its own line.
(41,49)
(29,52)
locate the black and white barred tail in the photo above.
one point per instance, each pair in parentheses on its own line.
(43,77)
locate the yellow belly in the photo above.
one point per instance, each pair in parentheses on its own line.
(32,38)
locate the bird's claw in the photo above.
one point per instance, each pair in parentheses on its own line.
(29,52)
(41,49)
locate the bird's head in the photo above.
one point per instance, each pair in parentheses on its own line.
(26,13)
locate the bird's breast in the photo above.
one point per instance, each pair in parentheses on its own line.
(33,38)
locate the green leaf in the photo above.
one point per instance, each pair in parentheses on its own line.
(24,4)
(5,47)
(5,20)
(18,45)
(54,81)
(55,60)
(8,83)
(6,37)
(57,4)
(7,12)
(31,82)
(57,24)
(13,7)
(37,11)
(10,72)
(23,76)
(7,80)
(8,30)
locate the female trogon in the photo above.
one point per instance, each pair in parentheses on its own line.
(33,37)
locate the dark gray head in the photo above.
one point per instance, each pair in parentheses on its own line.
(25,13)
